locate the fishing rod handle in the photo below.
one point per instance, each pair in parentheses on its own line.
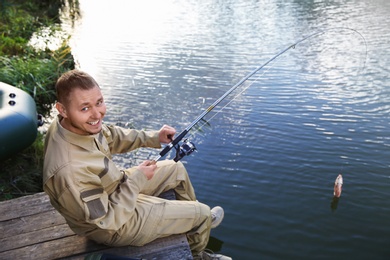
(171,145)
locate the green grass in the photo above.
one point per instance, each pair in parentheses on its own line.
(22,174)
(35,72)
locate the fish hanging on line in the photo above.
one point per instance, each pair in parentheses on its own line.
(338,185)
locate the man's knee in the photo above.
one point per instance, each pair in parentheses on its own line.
(204,218)
(170,163)
(172,168)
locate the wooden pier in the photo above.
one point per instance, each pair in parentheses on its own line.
(30,228)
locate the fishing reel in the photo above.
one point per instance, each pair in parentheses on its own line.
(186,148)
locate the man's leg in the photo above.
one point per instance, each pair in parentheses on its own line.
(157,218)
(169,175)
(160,218)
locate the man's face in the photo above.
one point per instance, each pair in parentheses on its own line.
(84,112)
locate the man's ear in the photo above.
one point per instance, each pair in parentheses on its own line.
(61,109)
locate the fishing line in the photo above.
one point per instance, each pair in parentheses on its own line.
(206,122)
(261,75)
(337,90)
(187,147)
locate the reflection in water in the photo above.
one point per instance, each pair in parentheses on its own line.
(334,203)
(215,244)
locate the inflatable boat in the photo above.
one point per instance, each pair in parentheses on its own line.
(18,120)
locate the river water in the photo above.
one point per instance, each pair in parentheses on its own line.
(270,158)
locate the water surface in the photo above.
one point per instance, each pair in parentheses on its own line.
(271,157)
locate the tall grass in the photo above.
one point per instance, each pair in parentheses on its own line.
(22,174)
(36,74)
(34,71)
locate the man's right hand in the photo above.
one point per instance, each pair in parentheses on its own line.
(148,168)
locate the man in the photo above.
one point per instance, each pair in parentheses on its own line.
(108,205)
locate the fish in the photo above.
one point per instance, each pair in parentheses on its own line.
(338,185)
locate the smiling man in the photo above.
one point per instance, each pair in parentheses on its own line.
(109,205)
(84,115)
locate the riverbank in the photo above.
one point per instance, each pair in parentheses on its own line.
(33,68)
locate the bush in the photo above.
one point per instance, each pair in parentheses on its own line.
(37,74)
(22,174)
(34,71)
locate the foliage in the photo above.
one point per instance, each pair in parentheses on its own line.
(34,71)
(37,73)
(18,21)
(22,174)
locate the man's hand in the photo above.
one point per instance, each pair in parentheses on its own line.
(147,168)
(166,134)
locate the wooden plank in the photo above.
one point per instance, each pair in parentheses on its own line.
(172,247)
(24,206)
(40,236)
(23,225)
(76,247)
(30,228)
(48,250)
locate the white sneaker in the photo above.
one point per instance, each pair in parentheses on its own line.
(217,214)
(211,256)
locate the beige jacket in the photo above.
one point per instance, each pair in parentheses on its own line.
(82,181)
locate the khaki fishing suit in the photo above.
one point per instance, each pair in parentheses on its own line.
(119,207)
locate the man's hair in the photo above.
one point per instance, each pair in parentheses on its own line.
(71,80)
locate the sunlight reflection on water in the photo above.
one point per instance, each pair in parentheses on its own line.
(270,158)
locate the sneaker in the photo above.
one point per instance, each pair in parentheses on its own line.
(216,216)
(209,255)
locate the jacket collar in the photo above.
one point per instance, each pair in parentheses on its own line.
(84,141)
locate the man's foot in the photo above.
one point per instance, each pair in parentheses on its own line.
(216,216)
(208,255)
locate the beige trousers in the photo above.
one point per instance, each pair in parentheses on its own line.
(155,217)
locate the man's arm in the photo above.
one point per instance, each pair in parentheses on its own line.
(89,201)
(121,140)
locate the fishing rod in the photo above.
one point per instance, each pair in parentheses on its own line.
(187,147)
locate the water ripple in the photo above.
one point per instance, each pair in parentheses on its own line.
(271,156)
